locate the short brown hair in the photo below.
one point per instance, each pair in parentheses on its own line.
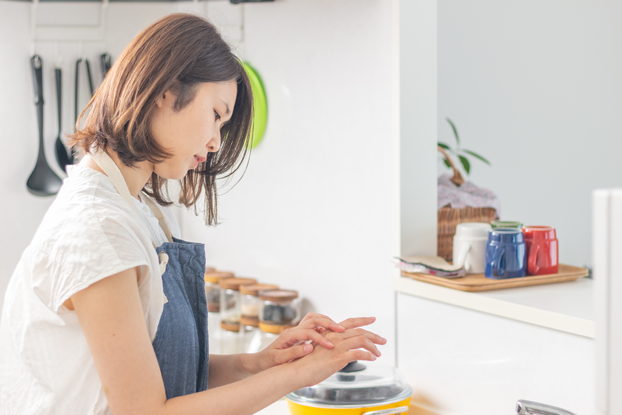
(174,54)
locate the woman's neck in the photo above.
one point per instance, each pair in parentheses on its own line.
(136,177)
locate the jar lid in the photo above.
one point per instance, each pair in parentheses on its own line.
(273,328)
(253,289)
(506,235)
(235,283)
(357,385)
(278,296)
(249,321)
(539,232)
(225,325)
(216,276)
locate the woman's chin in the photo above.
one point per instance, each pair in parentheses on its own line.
(174,174)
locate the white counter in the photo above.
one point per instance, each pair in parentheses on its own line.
(277,408)
(564,306)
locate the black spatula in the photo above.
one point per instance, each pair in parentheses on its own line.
(62,157)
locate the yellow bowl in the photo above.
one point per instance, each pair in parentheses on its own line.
(298,409)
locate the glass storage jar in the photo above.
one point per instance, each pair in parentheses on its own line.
(249,302)
(279,308)
(230,340)
(212,288)
(212,293)
(269,332)
(230,299)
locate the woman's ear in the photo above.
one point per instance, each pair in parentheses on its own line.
(160,101)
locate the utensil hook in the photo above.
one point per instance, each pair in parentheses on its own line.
(58,58)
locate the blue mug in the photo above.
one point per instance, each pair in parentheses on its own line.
(506,254)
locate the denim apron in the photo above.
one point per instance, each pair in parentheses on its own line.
(181,342)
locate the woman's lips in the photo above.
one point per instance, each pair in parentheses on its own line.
(198,160)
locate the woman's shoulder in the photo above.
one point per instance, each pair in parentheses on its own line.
(87,207)
(90,222)
(88,233)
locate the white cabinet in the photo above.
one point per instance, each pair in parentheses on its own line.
(465,362)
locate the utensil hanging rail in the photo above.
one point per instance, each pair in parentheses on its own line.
(68,31)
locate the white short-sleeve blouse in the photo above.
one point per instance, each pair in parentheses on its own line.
(89,233)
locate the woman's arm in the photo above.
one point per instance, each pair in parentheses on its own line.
(111,317)
(291,345)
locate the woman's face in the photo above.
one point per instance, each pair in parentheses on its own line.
(193,132)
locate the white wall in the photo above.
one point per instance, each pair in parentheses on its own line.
(21,212)
(535,86)
(315,209)
(318,207)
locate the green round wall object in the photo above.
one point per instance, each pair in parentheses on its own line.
(260,105)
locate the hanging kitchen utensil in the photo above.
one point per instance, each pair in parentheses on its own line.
(105,61)
(42,181)
(89,77)
(357,389)
(62,157)
(260,105)
(76,96)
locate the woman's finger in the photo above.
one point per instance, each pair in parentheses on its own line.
(292,336)
(361,332)
(360,342)
(359,354)
(353,323)
(321,322)
(292,353)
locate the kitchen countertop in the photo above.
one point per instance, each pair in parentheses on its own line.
(563,306)
(277,408)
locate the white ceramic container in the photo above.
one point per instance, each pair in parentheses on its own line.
(470,243)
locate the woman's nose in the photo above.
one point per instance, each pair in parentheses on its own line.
(214,144)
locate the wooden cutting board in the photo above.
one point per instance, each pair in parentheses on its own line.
(478,282)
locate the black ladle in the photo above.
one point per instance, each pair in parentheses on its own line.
(105,61)
(62,157)
(42,181)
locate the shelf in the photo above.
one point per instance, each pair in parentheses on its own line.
(565,306)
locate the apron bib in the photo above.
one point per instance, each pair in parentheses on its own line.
(181,341)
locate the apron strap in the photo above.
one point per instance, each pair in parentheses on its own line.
(158,214)
(114,174)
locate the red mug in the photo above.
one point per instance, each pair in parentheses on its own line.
(542,250)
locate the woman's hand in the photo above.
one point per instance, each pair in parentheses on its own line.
(293,343)
(353,344)
(299,341)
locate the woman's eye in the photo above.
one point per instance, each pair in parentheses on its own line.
(217,116)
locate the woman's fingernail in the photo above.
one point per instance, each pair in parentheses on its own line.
(307,348)
(330,344)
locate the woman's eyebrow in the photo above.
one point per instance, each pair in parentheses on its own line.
(226,105)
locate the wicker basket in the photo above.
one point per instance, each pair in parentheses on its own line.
(449,218)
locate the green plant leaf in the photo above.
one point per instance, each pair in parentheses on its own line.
(443,145)
(446,163)
(476,155)
(453,127)
(465,164)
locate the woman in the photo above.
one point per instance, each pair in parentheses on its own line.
(106,311)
